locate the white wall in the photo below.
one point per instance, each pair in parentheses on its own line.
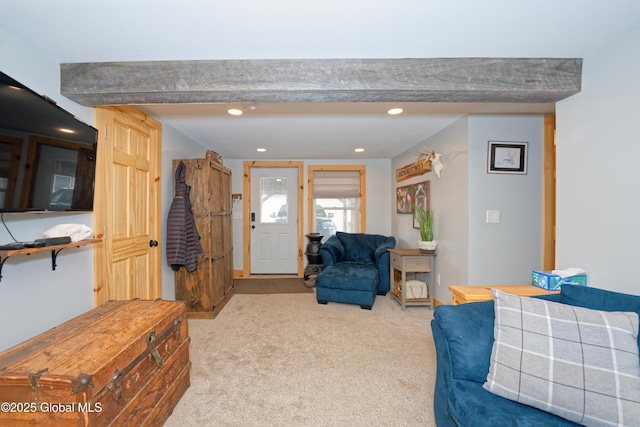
(449,202)
(505,253)
(470,251)
(33,298)
(378,194)
(598,148)
(237,171)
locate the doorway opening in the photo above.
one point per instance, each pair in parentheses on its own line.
(272,218)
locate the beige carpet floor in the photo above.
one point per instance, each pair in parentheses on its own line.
(270,285)
(284,360)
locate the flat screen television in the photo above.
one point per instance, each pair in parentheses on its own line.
(47,156)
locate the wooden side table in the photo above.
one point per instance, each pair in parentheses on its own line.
(465,294)
(411,261)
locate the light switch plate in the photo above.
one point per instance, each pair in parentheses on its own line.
(493,217)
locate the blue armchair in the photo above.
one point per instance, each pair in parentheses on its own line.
(355,268)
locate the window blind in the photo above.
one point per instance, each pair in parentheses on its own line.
(336,184)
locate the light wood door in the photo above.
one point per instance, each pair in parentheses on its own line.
(127,205)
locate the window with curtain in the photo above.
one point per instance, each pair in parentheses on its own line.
(336,201)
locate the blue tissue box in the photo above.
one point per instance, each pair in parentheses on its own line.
(552,282)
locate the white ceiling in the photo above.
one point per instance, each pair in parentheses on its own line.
(136,30)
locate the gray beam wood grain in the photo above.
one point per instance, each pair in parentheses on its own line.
(519,80)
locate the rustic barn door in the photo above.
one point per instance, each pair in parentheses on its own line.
(127,205)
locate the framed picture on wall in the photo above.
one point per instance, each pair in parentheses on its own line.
(507,157)
(404,203)
(421,193)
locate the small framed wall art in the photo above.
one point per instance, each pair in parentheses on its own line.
(404,201)
(507,157)
(421,196)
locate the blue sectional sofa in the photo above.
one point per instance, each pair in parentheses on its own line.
(464,337)
(355,268)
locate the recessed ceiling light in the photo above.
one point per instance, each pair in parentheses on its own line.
(234,112)
(261,150)
(66,130)
(359,150)
(395,111)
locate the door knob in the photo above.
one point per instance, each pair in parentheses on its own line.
(253,226)
(153,243)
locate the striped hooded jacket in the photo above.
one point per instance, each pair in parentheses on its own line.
(183,240)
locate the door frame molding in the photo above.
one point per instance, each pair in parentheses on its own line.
(246,223)
(549,195)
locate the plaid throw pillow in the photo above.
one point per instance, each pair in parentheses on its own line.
(577,363)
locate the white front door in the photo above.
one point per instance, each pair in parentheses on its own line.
(274,221)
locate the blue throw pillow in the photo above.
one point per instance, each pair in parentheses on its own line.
(468,329)
(599,299)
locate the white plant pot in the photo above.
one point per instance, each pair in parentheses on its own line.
(427,246)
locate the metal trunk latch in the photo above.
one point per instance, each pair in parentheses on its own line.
(116,385)
(153,351)
(176,327)
(34,378)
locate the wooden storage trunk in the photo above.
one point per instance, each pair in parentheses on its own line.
(122,363)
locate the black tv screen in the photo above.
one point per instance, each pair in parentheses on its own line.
(47,156)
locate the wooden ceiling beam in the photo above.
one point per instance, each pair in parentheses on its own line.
(518,80)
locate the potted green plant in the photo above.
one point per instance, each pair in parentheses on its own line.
(425,223)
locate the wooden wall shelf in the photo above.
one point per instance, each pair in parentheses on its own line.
(55,250)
